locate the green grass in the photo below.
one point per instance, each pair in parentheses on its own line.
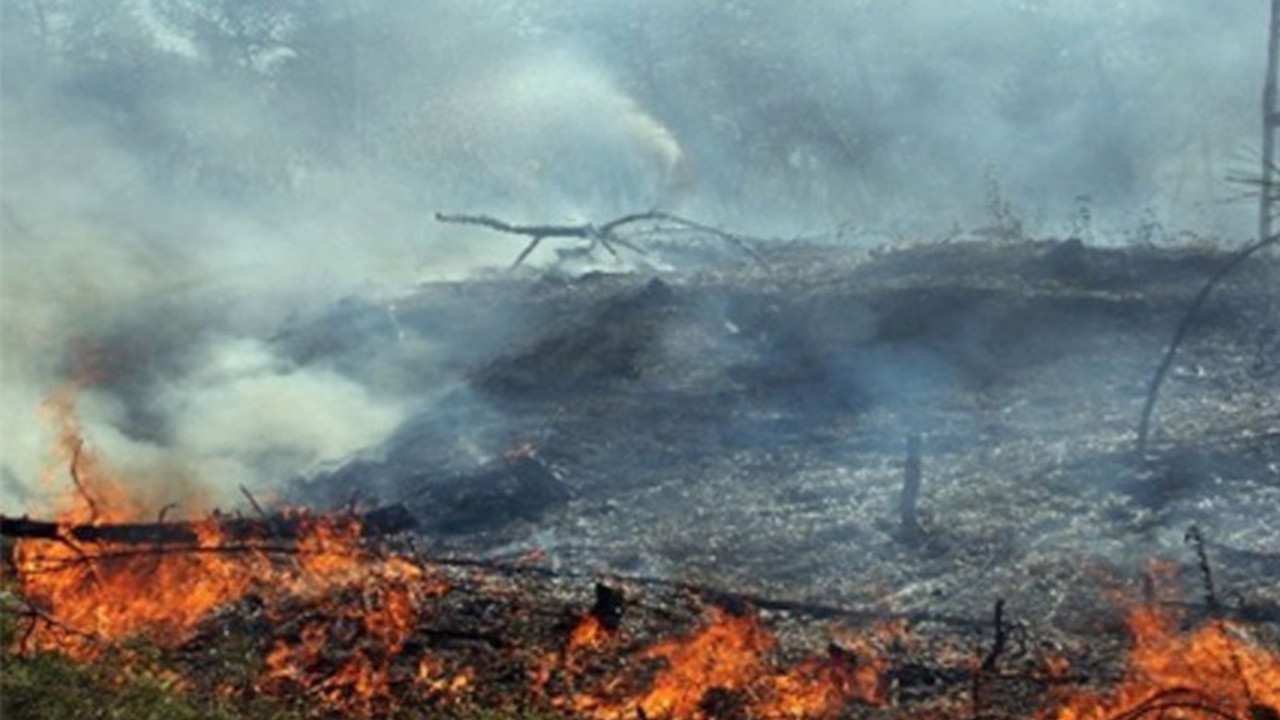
(50,686)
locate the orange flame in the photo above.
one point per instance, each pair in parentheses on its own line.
(354,653)
(1216,666)
(93,594)
(589,633)
(96,593)
(382,612)
(730,654)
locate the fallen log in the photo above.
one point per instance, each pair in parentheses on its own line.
(382,521)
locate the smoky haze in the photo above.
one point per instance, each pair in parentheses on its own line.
(180,177)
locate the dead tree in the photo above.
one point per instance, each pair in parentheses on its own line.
(606,235)
(1270,122)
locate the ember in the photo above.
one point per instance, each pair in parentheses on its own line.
(378,615)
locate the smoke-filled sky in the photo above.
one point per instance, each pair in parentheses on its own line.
(179,176)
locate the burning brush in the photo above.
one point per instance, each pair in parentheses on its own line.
(333,618)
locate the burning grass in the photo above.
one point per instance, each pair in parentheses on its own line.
(1214,671)
(327,625)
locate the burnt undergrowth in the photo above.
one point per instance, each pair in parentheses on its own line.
(735,422)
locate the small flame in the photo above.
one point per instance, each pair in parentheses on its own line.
(589,633)
(1216,667)
(730,654)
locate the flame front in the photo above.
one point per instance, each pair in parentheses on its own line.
(97,593)
(382,611)
(352,617)
(1214,671)
(92,595)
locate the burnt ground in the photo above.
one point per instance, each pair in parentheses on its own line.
(744,426)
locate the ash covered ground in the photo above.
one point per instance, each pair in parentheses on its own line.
(744,424)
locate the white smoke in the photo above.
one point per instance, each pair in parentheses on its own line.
(552,136)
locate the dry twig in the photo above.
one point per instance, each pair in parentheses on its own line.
(1180,334)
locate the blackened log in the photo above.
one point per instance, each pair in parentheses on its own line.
(382,521)
(609,606)
(25,528)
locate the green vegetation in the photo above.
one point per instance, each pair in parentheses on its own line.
(39,686)
(49,686)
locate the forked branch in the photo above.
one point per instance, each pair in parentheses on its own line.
(607,235)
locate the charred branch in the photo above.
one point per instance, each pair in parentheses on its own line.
(1270,121)
(607,235)
(1002,637)
(1196,540)
(382,521)
(1180,334)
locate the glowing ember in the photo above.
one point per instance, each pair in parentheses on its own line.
(376,617)
(589,633)
(1215,671)
(821,687)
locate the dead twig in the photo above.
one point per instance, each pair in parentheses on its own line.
(1180,334)
(36,616)
(1002,637)
(80,487)
(270,521)
(42,566)
(386,520)
(1196,539)
(1176,699)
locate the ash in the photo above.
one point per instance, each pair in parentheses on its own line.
(745,425)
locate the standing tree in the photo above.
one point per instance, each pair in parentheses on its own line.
(1270,121)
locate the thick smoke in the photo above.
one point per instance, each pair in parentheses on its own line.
(182,176)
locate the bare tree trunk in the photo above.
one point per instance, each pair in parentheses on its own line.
(1270,119)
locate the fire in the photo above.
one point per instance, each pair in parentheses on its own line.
(589,632)
(92,595)
(728,660)
(821,687)
(1215,671)
(348,620)
(371,621)
(728,653)
(98,593)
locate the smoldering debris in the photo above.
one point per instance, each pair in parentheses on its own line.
(744,426)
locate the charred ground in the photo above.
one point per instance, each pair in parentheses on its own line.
(744,426)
